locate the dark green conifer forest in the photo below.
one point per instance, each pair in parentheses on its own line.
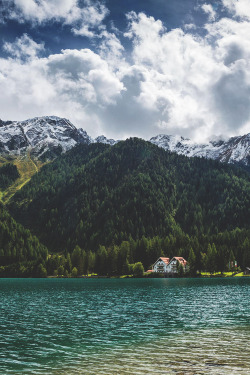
(115,210)
(21,253)
(8,174)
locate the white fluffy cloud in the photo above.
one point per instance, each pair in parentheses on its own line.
(23,47)
(179,72)
(208,9)
(83,19)
(170,82)
(195,86)
(240,8)
(73,83)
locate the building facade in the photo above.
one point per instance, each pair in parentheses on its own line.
(160,265)
(165,265)
(174,263)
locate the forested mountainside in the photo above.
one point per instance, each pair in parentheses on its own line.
(101,195)
(8,175)
(21,253)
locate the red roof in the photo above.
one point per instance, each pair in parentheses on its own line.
(165,260)
(181,260)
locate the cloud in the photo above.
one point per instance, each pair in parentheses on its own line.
(84,20)
(173,82)
(74,83)
(23,47)
(209,10)
(195,86)
(231,96)
(90,18)
(111,49)
(86,73)
(178,71)
(239,8)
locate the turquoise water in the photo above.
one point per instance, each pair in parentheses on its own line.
(125,326)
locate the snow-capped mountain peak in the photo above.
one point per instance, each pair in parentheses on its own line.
(233,150)
(44,136)
(103,139)
(48,136)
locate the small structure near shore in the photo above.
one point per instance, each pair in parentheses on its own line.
(247,271)
(160,265)
(167,266)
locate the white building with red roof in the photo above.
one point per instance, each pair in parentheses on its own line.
(174,262)
(161,265)
(165,265)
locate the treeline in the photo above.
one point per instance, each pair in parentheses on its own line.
(217,253)
(25,269)
(17,244)
(211,254)
(8,175)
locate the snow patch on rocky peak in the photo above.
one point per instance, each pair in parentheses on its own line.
(233,150)
(48,136)
(40,134)
(103,139)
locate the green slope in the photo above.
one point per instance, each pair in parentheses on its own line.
(25,168)
(102,195)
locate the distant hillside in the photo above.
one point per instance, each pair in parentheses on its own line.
(99,194)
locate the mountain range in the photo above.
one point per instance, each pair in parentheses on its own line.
(49,136)
(101,208)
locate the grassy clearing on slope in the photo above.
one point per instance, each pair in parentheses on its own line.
(26,168)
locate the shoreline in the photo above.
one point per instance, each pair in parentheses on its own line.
(219,276)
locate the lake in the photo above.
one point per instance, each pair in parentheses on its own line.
(125,326)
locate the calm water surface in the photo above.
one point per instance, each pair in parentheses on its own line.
(125,326)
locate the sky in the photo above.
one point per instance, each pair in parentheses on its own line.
(128,68)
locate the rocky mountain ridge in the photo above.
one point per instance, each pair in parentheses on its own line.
(45,137)
(234,150)
(49,136)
